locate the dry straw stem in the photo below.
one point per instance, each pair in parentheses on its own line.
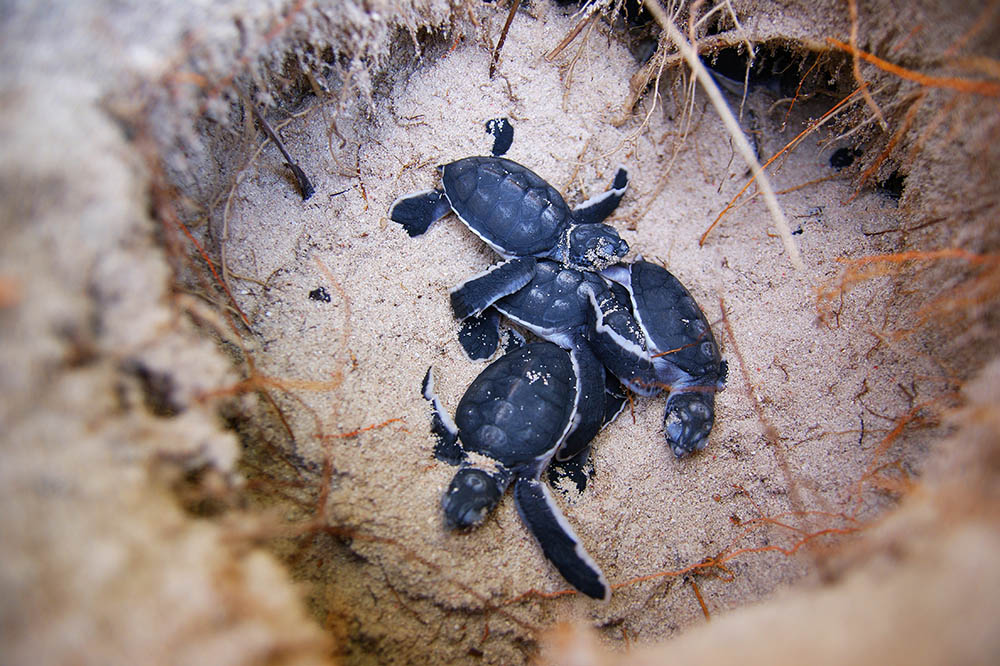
(852,7)
(589,12)
(732,127)
(962,85)
(979,289)
(825,118)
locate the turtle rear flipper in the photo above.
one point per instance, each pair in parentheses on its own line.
(557,539)
(417,211)
(503,135)
(576,470)
(619,343)
(483,290)
(448,448)
(579,469)
(598,207)
(480,335)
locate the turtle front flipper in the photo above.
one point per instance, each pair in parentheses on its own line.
(479,292)
(590,401)
(416,212)
(619,343)
(557,539)
(598,207)
(448,448)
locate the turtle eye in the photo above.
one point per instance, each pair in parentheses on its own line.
(475,483)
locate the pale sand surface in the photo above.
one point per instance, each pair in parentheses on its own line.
(389,319)
(135,423)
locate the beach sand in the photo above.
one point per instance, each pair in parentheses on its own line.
(248,477)
(827,389)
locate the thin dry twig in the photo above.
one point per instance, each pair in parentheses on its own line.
(733,127)
(503,37)
(962,85)
(826,117)
(568,79)
(852,7)
(568,39)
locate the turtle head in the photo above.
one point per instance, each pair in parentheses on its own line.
(471,495)
(593,246)
(688,420)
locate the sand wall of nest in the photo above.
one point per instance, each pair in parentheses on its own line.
(213,443)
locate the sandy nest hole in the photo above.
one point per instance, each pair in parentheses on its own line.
(216,443)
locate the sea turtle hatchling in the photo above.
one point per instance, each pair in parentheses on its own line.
(520,216)
(674,349)
(516,415)
(555,306)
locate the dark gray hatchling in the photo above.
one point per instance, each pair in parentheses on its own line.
(520,216)
(667,343)
(517,414)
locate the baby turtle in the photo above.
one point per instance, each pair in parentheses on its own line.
(555,306)
(519,215)
(516,415)
(675,349)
